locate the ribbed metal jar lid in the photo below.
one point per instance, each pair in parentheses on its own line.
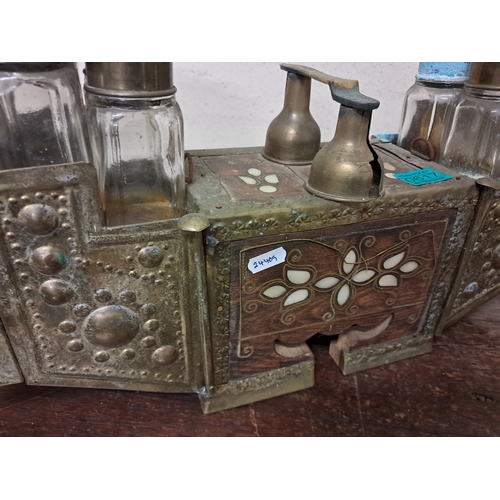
(484,75)
(130,79)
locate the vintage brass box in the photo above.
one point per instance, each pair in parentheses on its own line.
(222,301)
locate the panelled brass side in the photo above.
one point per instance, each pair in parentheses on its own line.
(89,306)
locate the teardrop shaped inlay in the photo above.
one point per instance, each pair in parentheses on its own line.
(272,179)
(393,261)
(343,295)
(254,171)
(247,180)
(389,280)
(326,283)
(409,267)
(298,277)
(362,276)
(274,292)
(349,261)
(295,297)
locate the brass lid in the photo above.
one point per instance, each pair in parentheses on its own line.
(130,79)
(484,75)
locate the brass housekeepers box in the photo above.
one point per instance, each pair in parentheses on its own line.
(173,306)
(278,245)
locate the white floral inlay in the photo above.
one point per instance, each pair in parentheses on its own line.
(326,283)
(268,189)
(388,280)
(272,179)
(298,277)
(349,261)
(295,297)
(254,171)
(362,276)
(274,292)
(343,295)
(393,261)
(409,267)
(247,180)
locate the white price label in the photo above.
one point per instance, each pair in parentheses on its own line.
(267,260)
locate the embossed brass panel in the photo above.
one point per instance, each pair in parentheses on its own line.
(89,306)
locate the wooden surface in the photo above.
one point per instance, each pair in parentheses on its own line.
(453,391)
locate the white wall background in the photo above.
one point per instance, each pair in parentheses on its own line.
(232,104)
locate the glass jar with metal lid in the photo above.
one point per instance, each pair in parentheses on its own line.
(426,102)
(136,133)
(471,140)
(41,115)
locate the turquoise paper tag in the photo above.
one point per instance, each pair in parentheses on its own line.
(422,177)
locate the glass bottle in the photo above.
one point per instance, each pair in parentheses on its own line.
(425,105)
(41,115)
(471,141)
(136,134)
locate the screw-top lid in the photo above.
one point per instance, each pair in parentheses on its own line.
(443,72)
(130,79)
(484,75)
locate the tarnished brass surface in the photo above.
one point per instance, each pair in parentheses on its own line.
(248,213)
(293,137)
(89,306)
(153,306)
(9,369)
(348,169)
(262,386)
(478,272)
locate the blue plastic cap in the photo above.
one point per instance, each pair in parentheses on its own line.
(443,72)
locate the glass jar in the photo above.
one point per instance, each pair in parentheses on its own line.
(41,115)
(471,141)
(136,134)
(425,105)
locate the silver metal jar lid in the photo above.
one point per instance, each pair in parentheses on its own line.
(484,75)
(130,79)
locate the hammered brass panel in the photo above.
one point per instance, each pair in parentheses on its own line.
(90,305)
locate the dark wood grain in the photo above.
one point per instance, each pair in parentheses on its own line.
(453,391)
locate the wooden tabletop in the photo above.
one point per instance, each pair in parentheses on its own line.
(453,391)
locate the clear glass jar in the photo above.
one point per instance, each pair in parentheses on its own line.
(138,150)
(41,115)
(425,105)
(471,141)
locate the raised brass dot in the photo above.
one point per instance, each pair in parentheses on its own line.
(48,260)
(16,247)
(148,341)
(18,262)
(128,354)
(148,310)
(54,194)
(56,292)
(28,289)
(25,198)
(12,200)
(39,195)
(108,268)
(81,310)
(111,326)
(150,257)
(10,235)
(6,221)
(98,263)
(158,282)
(152,325)
(37,326)
(103,295)
(62,199)
(66,225)
(25,276)
(129,258)
(127,296)
(38,219)
(164,355)
(133,274)
(101,356)
(63,211)
(67,326)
